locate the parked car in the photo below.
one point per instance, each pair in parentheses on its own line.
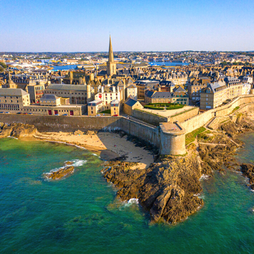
(1,112)
(64,115)
(19,113)
(7,112)
(29,113)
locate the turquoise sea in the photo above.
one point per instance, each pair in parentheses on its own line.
(79,214)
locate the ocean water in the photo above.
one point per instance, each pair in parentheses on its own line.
(64,67)
(168,63)
(79,214)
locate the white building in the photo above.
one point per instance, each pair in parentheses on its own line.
(132,91)
(106,94)
(248,79)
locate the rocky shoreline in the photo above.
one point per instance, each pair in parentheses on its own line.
(169,188)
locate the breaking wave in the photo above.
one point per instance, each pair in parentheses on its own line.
(78,163)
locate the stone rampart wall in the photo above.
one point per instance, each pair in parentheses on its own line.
(185,115)
(200,120)
(142,131)
(70,124)
(149,117)
(62,123)
(197,121)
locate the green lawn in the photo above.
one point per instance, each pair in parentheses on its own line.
(161,106)
(190,137)
(106,112)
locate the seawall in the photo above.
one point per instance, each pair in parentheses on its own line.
(137,128)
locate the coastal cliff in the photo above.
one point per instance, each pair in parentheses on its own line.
(169,188)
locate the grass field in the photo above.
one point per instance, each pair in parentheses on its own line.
(190,137)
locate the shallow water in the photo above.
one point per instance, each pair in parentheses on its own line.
(79,214)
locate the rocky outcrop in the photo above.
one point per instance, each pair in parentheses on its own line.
(67,170)
(17,130)
(168,190)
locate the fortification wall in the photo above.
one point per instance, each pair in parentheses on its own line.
(70,124)
(185,115)
(142,131)
(149,117)
(227,109)
(197,121)
(200,120)
(61,123)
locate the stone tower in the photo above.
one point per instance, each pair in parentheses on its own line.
(111,66)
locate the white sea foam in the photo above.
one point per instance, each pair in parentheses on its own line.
(78,163)
(133,201)
(199,195)
(204,177)
(81,147)
(95,154)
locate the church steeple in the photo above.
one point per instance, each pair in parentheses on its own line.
(111,66)
(110,51)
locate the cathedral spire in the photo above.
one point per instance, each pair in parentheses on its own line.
(111,65)
(110,52)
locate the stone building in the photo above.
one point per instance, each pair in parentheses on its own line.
(50,100)
(115,108)
(13,99)
(213,95)
(94,107)
(130,105)
(36,91)
(78,94)
(9,83)
(195,87)
(51,110)
(152,96)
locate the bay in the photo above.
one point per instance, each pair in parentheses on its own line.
(79,214)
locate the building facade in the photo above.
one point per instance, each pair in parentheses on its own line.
(13,99)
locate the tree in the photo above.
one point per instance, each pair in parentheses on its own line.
(3,65)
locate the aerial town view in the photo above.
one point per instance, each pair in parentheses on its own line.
(126,128)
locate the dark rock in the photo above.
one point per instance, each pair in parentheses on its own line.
(62,172)
(248,171)
(168,190)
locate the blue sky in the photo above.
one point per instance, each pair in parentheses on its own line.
(80,25)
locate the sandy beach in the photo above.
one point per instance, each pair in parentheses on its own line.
(107,145)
